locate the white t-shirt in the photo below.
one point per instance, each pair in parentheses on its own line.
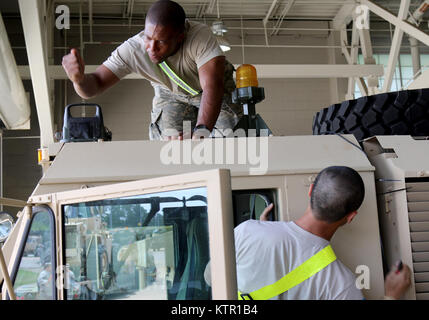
(199,46)
(266,251)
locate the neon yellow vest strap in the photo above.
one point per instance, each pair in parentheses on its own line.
(175,78)
(301,273)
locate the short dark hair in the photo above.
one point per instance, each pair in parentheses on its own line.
(337,191)
(168,14)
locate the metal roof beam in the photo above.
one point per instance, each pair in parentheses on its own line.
(396,46)
(270,12)
(285,11)
(210,7)
(344,16)
(404,25)
(416,18)
(264,71)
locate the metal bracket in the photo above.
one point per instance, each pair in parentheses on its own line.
(387,200)
(40,199)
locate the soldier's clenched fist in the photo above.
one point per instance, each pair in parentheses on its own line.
(74,66)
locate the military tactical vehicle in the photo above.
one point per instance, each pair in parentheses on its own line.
(141,219)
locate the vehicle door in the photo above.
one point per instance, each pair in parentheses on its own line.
(146,239)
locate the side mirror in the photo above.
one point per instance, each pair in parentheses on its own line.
(6,225)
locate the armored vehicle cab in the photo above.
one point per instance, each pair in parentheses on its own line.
(141,219)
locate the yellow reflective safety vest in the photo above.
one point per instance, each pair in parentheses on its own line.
(176,79)
(301,273)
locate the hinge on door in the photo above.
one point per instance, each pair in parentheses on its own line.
(387,200)
(40,199)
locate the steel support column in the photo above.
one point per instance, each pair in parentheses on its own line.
(368,56)
(351,58)
(34,28)
(396,46)
(415,19)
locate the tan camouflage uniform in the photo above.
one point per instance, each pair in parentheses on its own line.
(169,110)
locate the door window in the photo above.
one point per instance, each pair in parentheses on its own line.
(249,204)
(152,246)
(34,278)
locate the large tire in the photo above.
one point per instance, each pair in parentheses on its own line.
(394,113)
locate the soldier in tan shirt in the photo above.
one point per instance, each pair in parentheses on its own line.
(191,51)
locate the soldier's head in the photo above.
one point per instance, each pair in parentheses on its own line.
(164,30)
(47,262)
(337,194)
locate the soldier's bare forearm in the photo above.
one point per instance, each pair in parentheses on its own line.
(88,87)
(212,82)
(211,102)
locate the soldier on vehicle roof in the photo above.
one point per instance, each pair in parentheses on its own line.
(184,64)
